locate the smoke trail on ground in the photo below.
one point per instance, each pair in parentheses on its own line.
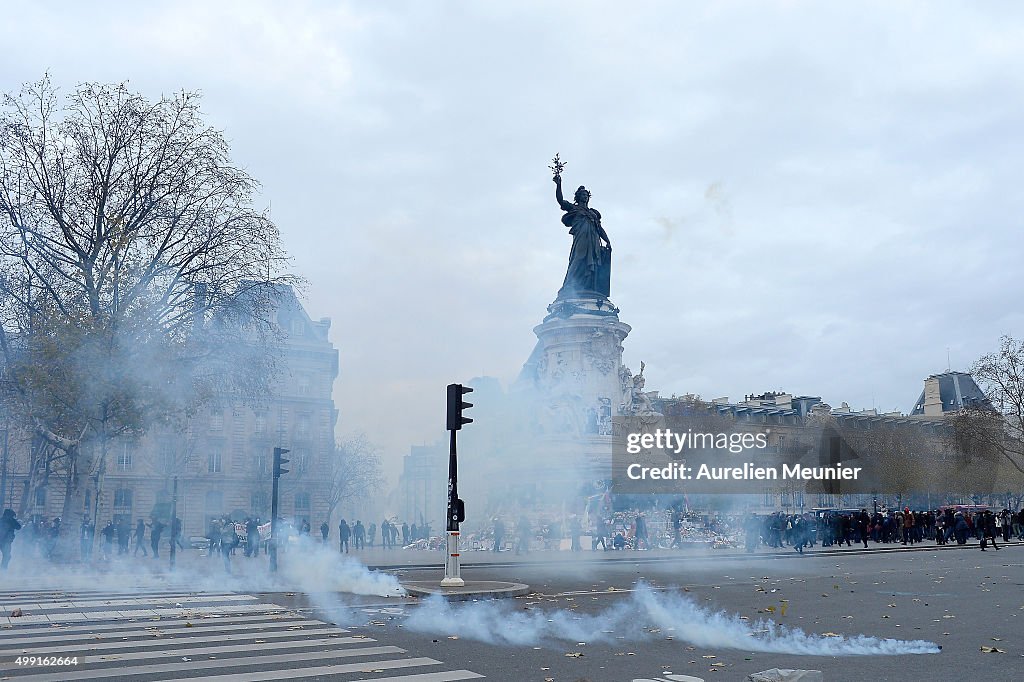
(675,614)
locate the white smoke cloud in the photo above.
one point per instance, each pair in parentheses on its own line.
(502,623)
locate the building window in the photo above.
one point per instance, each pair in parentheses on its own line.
(168,454)
(260,504)
(302,427)
(122,505)
(40,497)
(302,507)
(260,426)
(769,497)
(214,463)
(124,457)
(123,497)
(216,421)
(213,508)
(261,461)
(298,328)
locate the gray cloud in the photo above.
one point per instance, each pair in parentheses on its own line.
(806,196)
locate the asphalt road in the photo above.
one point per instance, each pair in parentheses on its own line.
(961,599)
(585,620)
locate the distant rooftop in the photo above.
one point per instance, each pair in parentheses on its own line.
(952,390)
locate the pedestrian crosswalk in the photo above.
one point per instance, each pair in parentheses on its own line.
(175,635)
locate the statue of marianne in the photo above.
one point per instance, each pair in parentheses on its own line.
(589,269)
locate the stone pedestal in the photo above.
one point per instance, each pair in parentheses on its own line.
(575,380)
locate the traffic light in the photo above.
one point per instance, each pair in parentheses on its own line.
(280,461)
(456,405)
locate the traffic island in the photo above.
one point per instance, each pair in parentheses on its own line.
(472,589)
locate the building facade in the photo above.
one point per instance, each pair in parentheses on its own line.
(222,461)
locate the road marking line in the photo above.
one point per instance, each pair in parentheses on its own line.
(247,649)
(236,662)
(172,640)
(89,636)
(120,625)
(293,673)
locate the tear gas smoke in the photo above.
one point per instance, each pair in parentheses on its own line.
(307,567)
(498,622)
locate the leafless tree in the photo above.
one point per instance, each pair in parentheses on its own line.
(133,269)
(356,473)
(996,426)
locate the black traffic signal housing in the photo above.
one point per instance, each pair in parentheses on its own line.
(456,405)
(280,461)
(459,511)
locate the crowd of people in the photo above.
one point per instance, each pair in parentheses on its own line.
(838,528)
(620,530)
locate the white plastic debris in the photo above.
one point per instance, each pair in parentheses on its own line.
(786,675)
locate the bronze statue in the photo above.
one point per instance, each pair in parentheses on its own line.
(589,271)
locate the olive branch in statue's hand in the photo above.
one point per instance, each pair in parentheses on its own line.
(557,166)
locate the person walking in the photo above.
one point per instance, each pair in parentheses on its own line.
(359,534)
(863,523)
(213,536)
(987,523)
(9,526)
(156,529)
(344,533)
(108,539)
(640,533)
(228,540)
(140,536)
(325,530)
(677,527)
(124,535)
(85,538)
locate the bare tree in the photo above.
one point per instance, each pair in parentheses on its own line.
(995,426)
(355,473)
(133,269)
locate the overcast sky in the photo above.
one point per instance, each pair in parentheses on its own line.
(814,197)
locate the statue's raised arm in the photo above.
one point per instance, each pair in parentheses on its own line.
(589,268)
(565,205)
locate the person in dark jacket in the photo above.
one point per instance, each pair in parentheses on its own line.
(155,531)
(987,524)
(140,537)
(9,526)
(344,533)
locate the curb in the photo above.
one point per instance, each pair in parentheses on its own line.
(473,589)
(817,553)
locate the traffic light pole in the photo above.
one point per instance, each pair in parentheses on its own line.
(174,517)
(456,508)
(279,462)
(273,524)
(452,565)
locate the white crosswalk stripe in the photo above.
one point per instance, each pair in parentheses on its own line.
(175,635)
